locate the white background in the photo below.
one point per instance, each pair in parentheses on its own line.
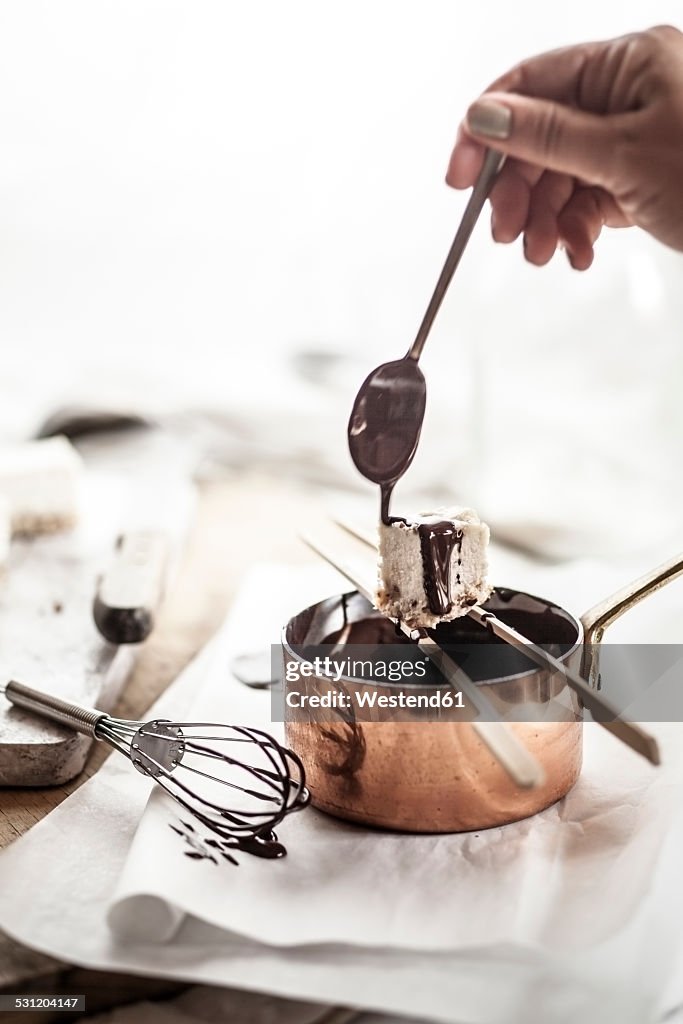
(191,191)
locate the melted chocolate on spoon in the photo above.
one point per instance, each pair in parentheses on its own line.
(385,424)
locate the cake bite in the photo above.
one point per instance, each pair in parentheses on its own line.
(39,485)
(433,566)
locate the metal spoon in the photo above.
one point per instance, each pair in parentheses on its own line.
(387,415)
(254,668)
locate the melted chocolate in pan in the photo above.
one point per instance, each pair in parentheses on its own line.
(482,655)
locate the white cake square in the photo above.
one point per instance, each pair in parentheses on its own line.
(433,566)
(40,484)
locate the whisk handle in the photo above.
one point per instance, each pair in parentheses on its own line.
(62,711)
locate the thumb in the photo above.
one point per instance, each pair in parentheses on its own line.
(549,135)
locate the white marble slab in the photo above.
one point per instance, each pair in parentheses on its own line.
(48,637)
(48,640)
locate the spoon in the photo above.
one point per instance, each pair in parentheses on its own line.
(387,415)
(254,668)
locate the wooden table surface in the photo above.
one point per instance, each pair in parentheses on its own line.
(216,557)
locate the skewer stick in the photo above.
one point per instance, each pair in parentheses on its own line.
(604,713)
(522,767)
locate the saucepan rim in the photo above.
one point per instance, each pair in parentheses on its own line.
(407,684)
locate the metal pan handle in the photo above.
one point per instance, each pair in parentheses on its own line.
(596,620)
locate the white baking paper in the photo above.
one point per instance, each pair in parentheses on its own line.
(534,883)
(573,915)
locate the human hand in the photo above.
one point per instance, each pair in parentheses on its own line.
(593,135)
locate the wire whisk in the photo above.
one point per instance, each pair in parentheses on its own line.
(238,782)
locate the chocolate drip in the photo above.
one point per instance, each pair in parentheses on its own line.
(437,541)
(345,612)
(385,496)
(285,780)
(265,845)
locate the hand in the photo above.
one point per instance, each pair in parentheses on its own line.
(594,136)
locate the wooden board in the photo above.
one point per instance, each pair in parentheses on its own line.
(213,564)
(48,640)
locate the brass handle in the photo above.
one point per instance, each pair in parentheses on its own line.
(596,620)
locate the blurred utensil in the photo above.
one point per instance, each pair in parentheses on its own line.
(253,668)
(130,590)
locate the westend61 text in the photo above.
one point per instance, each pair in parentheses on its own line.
(372,699)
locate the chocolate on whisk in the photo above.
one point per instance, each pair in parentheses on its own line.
(238,782)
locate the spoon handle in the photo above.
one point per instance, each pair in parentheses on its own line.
(493,161)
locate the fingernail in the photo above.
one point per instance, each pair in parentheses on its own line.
(486,117)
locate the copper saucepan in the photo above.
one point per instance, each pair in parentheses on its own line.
(418,774)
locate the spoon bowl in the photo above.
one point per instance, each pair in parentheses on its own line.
(386,420)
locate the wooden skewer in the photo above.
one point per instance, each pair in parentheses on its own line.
(604,713)
(522,767)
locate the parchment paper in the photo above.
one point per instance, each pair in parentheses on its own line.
(573,915)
